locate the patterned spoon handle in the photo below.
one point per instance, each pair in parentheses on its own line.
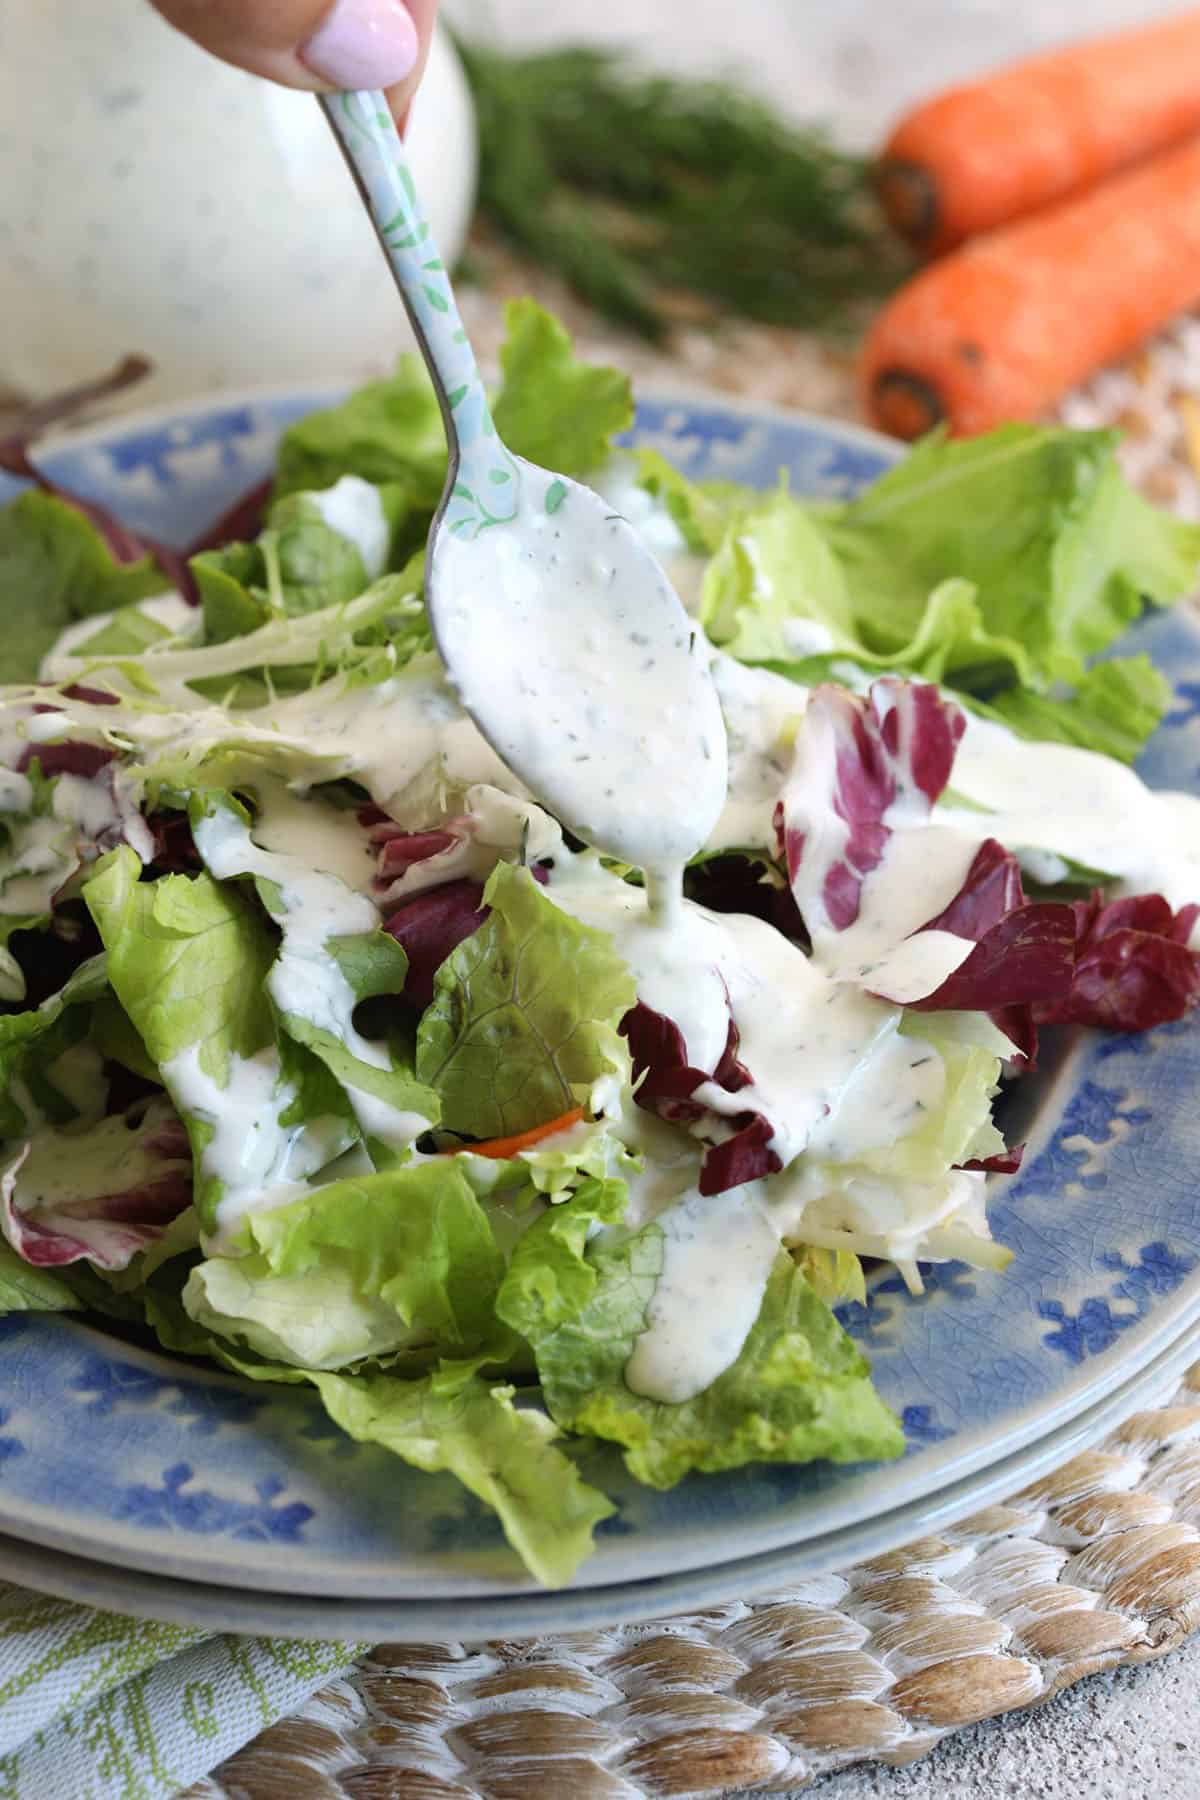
(482,486)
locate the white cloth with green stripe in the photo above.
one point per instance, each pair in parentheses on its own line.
(94,1706)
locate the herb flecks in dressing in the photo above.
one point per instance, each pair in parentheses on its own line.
(574,654)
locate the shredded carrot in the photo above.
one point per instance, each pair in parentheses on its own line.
(1027,136)
(499,1148)
(1003,327)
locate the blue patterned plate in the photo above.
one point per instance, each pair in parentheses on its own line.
(127,1457)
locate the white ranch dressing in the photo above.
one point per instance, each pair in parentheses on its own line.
(259,1162)
(352,507)
(1057,799)
(573,653)
(619,482)
(717,1255)
(761,711)
(812,1044)
(305,979)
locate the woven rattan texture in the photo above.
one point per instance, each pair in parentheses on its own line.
(1096,1564)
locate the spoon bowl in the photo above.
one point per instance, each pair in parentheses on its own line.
(560,632)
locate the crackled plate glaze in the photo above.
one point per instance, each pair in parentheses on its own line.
(128,1457)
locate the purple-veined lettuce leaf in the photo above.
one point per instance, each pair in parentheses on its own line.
(101,1194)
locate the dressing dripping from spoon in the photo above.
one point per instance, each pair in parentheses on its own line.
(560,632)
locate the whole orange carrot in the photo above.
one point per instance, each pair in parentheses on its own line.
(500,1148)
(1001,328)
(1030,134)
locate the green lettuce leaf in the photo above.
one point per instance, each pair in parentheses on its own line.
(550,1278)
(450,1419)
(799,1389)
(24,1288)
(524,1014)
(389,432)
(552,408)
(1060,550)
(506,1456)
(701,509)
(32,1042)
(187,959)
(1113,708)
(772,566)
(414,1239)
(55,568)
(225,580)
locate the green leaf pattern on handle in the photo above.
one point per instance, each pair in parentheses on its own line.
(486,480)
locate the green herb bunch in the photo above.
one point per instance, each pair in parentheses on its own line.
(636,188)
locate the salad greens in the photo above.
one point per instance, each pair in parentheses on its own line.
(324,1056)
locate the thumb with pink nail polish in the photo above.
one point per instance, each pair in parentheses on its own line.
(313,44)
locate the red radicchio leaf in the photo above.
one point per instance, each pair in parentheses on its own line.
(1023,950)
(400,850)
(90,696)
(854,757)
(732,884)
(1133,968)
(430,926)
(665,1082)
(175,849)
(66,759)
(111,1225)
(991,891)
(746,1156)
(1005,1162)
(1028,954)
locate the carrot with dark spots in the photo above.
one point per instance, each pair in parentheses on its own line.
(1003,327)
(1029,135)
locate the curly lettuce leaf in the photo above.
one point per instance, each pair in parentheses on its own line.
(1113,708)
(24,1288)
(799,1389)
(505,1455)
(524,1014)
(55,568)
(1061,550)
(553,408)
(388,432)
(363,1266)
(32,1042)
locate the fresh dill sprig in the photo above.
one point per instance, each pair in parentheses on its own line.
(635,187)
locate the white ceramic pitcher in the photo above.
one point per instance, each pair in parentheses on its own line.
(153,199)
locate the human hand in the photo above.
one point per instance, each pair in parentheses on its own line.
(314,44)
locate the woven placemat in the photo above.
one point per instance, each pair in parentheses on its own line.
(1094,1565)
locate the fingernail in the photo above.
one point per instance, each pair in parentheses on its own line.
(363,44)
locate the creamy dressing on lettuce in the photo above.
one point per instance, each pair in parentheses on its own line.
(654,776)
(306,981)
(352,507)
(717,1254)
(1056,800)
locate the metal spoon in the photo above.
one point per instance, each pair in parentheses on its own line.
(561,634)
